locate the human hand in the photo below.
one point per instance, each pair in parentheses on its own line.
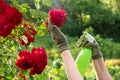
(96,53)
(96,50)
(59,38)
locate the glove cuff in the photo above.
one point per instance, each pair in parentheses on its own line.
(97,56)
(63,46)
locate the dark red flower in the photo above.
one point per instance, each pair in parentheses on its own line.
(5,27)
(3,7)
(24,61)
(21,41)
(30,39)
(32,31)
(36,60)
(9,18)
(13,15)
(29,33)
(29,36)
(57,16)
(40,60)
(1,1)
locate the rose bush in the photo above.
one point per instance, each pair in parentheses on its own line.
(17,33)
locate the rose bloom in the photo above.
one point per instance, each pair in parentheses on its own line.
(3,7)
(13,15)
(9,18)
(24,61)
(30,38)
(21,41)
(57,16)
(5,27)
(1,1)
(36,60)
(40,60)
(29,33)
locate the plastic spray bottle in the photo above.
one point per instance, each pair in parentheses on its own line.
(83,59)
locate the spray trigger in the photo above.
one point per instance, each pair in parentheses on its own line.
(90,38)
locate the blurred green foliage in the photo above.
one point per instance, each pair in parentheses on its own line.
(103,16)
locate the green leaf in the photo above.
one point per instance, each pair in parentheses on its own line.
(25,72)
(24,7)
(37,5)
(9,77)
(34,13)
(42,30)
(13,48)
(47,2)
(43,15)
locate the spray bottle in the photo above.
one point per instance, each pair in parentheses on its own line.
(83,59)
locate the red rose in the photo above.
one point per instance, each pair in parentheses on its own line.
(40,60)
(57,16)
(1,1)
(32,31)
(24,61)
(21,41)
(5,27)
(9,18)
(29,33)
(36,60)
(13,15)
(3,7)
(30,39)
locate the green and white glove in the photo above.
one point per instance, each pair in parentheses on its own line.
(96,53)
(59,38)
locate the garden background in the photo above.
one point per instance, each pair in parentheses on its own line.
(101,18)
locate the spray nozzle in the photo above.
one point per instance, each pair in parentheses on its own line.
(85,38)
(90,38)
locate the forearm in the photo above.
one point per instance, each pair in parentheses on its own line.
(100,70)
(70,66)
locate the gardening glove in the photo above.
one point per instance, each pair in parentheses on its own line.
(59,38)
(95,50)
(96,53)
